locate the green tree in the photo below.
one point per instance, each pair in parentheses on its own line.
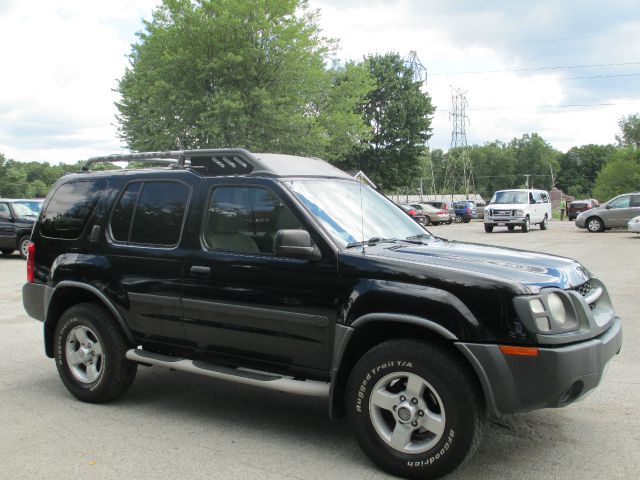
(536,158)
(629,131)
(399,114)
(219,73)
(493,167)
(621,174)
(580,166)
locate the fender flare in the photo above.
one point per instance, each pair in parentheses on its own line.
(343,336)
(103,298)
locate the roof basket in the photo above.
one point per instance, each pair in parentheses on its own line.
(209,162)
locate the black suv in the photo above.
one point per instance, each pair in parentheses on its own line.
(252,268)
(16,222)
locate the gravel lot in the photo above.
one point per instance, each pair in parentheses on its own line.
(176,425)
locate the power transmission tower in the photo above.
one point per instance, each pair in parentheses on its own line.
(413,62)
(458,149)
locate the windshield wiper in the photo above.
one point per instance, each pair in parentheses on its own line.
(417,238)
(372,241)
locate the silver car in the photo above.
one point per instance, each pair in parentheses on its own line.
(634,225)
(616,213)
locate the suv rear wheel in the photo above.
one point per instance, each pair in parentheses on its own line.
(23,245)
(415,410)
(89,349)
(526,226)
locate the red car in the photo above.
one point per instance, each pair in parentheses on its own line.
(578,206)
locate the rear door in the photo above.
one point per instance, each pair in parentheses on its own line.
(145,246)
(244,302)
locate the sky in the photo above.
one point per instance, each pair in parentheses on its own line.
(564,69)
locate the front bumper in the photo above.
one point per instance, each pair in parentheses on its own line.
(503,221)
(580,221)
(554,378)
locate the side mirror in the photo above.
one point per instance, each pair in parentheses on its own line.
(295,243)
(607,206)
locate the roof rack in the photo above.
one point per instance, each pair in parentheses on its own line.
(230,161)
(209,161)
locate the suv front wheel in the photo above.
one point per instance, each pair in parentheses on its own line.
(414,408)
(89,350)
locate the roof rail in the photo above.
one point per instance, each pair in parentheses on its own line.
(208,161)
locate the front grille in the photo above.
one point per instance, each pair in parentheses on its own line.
(584,290)
(501,213)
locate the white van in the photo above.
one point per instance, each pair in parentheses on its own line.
(518,208)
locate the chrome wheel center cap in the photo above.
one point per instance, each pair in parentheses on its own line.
(406,413)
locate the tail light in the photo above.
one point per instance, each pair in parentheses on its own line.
(468,210)
(412,212)
(31,254)
(442,212)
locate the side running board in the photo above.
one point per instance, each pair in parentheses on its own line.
(248,377)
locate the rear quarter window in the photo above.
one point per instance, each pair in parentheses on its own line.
(70,208)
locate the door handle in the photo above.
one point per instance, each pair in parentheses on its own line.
(200,270)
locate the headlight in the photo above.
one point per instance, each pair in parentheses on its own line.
(557,309)
(518,213)
(551,312)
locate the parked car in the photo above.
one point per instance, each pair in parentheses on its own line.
(615,213)
(416,214)
(480,206)
(16,222)
(285,273)
(634,225)
(518,208)
(446,206)
(464,211)
(433,215)
(578,206)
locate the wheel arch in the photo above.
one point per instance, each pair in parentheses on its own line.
(374,328)
(65,295)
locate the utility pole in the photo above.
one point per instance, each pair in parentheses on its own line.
(527,175)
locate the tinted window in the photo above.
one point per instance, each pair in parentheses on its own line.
(245,219)
(123,212)
(635,201)
(70,208)
(159,213)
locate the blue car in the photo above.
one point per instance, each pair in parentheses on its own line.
(465,211)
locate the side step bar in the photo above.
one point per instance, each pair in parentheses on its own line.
(248,377)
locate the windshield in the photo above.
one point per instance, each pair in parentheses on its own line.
(510,197)
(23,211)
(337,205)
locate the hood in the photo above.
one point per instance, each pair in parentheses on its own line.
(527,268)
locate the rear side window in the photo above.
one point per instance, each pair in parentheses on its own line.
(150,213)
(70,208)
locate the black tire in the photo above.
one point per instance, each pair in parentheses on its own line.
(545,223)
(457,402)
(7,251)
(116,373)
(466,220)
(594,224)
(449,222)
(511,228)
(458,219)
(23,243)
(427,220)
(488,228)
(526,226)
